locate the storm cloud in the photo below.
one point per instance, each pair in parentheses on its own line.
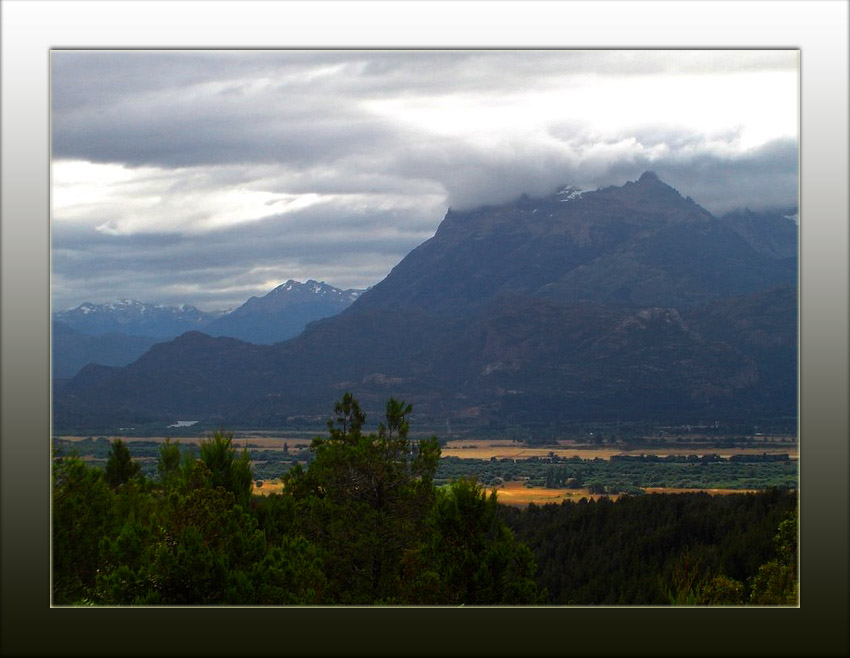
(206,177)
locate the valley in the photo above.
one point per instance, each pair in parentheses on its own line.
(519,473)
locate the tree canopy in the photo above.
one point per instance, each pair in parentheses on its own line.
(362,523)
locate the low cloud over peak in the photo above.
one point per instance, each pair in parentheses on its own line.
(209,174)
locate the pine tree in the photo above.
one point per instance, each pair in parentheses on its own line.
(120,467)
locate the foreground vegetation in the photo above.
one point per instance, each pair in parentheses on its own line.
(362,524)
(690,548)
(367,520)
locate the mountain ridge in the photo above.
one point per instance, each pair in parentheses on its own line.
(283,312)
(133,318)
(117,333)
(513,314)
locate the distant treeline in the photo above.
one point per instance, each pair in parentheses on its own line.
(687,459)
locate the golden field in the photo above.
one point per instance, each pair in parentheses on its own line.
(488,448)
(505,449)
(516,493)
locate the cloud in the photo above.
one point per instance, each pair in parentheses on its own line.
(208,176)
(222,268)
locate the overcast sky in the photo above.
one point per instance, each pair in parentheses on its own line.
(206,177)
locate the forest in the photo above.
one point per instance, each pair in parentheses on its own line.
(367,521)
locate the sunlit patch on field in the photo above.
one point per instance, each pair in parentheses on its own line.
(516,493)
(267,487)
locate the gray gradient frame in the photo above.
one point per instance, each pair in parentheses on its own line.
(817,627)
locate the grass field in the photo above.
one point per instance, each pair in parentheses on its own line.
(484,449)
(487,448)
(511,493)
(498,448)
(516,493)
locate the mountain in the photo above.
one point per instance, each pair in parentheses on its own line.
(72,350)
(640,244)
(624,303)
(118,333)
(282,313)
(134,318)
(774,233)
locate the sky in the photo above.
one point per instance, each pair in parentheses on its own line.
(208,177)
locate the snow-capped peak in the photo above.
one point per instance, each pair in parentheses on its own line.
(130,306)
(311,286)
(568,193)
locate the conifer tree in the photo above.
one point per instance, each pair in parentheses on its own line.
(120,467)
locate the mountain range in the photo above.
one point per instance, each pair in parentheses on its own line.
(133,318)
(628,303)
(118,333)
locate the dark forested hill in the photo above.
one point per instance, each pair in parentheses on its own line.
(629,302)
